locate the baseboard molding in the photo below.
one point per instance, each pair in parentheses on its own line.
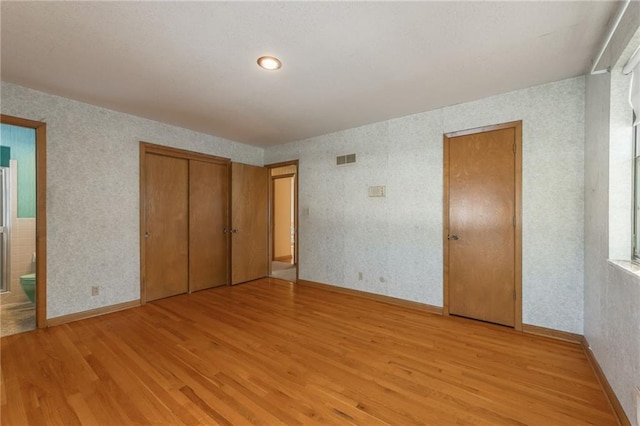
(376,297)
(553,334)
(623,420)
(282,258)
(52,322)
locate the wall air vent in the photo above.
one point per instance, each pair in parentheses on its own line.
(341,160)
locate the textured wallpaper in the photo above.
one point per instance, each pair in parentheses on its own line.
(396,241)
(617,347)
(21,145)
(93,193)
(596,176)
(611,290)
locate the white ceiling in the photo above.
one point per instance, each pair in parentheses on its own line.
(345,64)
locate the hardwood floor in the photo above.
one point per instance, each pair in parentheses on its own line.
(268,352)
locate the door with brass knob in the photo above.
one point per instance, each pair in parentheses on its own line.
(481,238)
(249,222)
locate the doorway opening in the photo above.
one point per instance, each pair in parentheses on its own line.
(284,221)
(22,225)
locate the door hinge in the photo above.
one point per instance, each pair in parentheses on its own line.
(514,221)
(514,148)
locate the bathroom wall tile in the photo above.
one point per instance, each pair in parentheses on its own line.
(22,249)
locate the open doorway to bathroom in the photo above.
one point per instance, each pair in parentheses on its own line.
(22,302)
(284,217)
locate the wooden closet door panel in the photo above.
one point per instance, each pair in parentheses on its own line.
(208,221)
(167,226)
(249,222)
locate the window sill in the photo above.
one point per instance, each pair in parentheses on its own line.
(628,266)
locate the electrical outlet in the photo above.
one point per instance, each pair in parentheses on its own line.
(95,290)
(359,276)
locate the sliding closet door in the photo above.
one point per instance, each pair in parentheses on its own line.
(208,218)
(249,222)
(166,237)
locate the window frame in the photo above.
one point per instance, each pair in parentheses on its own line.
(635,244)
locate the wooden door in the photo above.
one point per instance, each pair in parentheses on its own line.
(249,222)
(480,245)
(208,221)
(167,226)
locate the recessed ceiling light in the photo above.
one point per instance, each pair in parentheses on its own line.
(270,63)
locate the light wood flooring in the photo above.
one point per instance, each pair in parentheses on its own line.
(269,352)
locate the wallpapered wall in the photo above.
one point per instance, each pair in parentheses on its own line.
(396,241)
(93,193)
(611,292)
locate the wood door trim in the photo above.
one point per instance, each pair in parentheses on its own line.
(517,126)
(143,222)
(282,164)
(482,129)
(445,228)
(150,148)
(296,212)
(41,211)
(229,225)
